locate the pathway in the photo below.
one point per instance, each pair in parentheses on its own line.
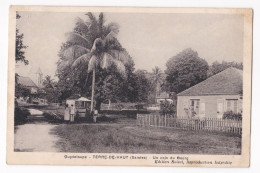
(35,136)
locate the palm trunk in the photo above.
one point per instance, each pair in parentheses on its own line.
(93,90)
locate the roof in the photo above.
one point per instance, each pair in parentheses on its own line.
(162,95)
(26,81)
(83,99)
(227,82)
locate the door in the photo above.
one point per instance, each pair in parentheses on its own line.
(220,108)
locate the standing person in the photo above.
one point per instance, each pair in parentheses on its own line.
(67,113)
(72,113)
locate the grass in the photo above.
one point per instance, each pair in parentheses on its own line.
(116,138)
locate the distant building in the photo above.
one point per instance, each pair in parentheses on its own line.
(163,96)
(213,96)
(27,82)
(35,89)
(39,78)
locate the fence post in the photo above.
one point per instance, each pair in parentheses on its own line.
(165,120)
(137,119)
(149,120)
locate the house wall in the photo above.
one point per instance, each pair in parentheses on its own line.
(208,105)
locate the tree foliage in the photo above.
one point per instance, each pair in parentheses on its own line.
(50,90)
(143,87)
(19,46)
(93,46)
(217,67)
(184,70)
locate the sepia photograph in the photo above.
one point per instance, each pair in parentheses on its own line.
(130,86)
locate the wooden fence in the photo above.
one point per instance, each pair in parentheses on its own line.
(209,124)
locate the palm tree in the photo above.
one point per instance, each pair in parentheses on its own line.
(94,44)
(157,78)
(48,82)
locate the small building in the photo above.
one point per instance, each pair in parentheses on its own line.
(81,104)
(214,96)
(162,97)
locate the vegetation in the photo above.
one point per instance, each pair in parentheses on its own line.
(232,116)
(127,138)
(167,108)
(93,48)
(50,90)
(20,115)
(19,46)
(185,70)
(217,67)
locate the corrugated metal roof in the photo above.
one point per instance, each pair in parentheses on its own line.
(227,82)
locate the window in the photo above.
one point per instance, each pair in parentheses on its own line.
(232,105)
(195,106)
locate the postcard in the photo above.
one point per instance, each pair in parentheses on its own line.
(129,86)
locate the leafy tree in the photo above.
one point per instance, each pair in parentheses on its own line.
(217,67)
(19,46)
(143,86)
(93,44)
(184,70)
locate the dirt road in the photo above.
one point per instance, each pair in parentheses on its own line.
(35,136)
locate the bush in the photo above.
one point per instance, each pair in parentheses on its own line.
(167,108)
(232,116)
(20,115)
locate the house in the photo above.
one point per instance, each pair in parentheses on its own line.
(214,96)
(27,82)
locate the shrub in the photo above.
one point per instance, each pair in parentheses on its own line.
(232,116)
(20,115)
(167,108)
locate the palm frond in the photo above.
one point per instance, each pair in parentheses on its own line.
(78,39)
(113,27)
(82,24)
(112,35)
(120,67)
(91,17)
(97,42)
(107,61)
(61,64)
(112,31)
(122,56)
(84,59)
(101,22)
(93,62)
(74,51)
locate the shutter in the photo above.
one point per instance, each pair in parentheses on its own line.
(185,104)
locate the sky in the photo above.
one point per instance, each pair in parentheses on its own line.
(150,38)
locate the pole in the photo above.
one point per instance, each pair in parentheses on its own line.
(93,90)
